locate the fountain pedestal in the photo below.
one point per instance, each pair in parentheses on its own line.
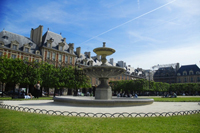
(103,91)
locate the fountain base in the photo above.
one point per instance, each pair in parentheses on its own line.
(92,102)
(103,91)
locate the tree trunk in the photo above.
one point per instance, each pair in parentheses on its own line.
(54,92)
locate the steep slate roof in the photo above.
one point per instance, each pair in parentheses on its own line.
(57,39)
(187,68)
(19,38)
(165,70)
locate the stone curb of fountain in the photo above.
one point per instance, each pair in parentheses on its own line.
(109,115)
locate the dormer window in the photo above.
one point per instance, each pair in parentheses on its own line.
(37,52)
(14,47)
(191,72)
(184,73)
(197,72)
(5,37)
(178,74)
(49,45)
(61,48)
(27,50)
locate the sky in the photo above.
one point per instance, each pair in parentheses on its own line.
(144,33)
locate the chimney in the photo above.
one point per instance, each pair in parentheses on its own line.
(78,51)
(36,35)
(64,40)
(88,54)
(177,66)
(71,45)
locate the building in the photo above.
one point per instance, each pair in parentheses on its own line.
(166,73)
(188,74)
(17,46)
(54,49)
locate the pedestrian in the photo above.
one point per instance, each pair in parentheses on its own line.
(37,89)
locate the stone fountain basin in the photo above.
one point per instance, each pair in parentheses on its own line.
(103,71)
(92,102)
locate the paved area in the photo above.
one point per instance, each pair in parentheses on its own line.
(156,107)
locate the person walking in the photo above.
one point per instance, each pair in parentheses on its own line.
(37,89)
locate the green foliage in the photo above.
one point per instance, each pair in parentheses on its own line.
(20,71)
(144,85)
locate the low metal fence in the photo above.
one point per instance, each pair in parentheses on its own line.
(83,114)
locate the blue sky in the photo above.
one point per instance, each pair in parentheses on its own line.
(144,33)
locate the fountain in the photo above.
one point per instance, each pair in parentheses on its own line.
(103,73)
(103,93)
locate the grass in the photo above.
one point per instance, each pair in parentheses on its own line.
(14,121)
(20,99)
(178,99)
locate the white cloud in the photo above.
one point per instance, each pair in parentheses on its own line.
(188,54)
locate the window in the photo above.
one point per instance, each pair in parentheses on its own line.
(49,45)
(1,53)
(70,60)
(185,79)
(5,37)
(15,47)
(37,52)
(66,58)
(48,55)
(36,60)
(59,57)
(197,72)
(198,79)
(178,74)
(14,56)
(27,50)
(184,73)
(70,51)
(60,48)
(191,72)
(53,56)
(25,58)
(191,79)
(179,80)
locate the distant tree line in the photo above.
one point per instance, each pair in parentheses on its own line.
(17,71)
(142,86)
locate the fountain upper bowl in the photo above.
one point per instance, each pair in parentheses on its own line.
(104,51)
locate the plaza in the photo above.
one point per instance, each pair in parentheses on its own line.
(155,108)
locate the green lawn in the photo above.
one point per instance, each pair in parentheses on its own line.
(178,99)
(40,98)
(14,121)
